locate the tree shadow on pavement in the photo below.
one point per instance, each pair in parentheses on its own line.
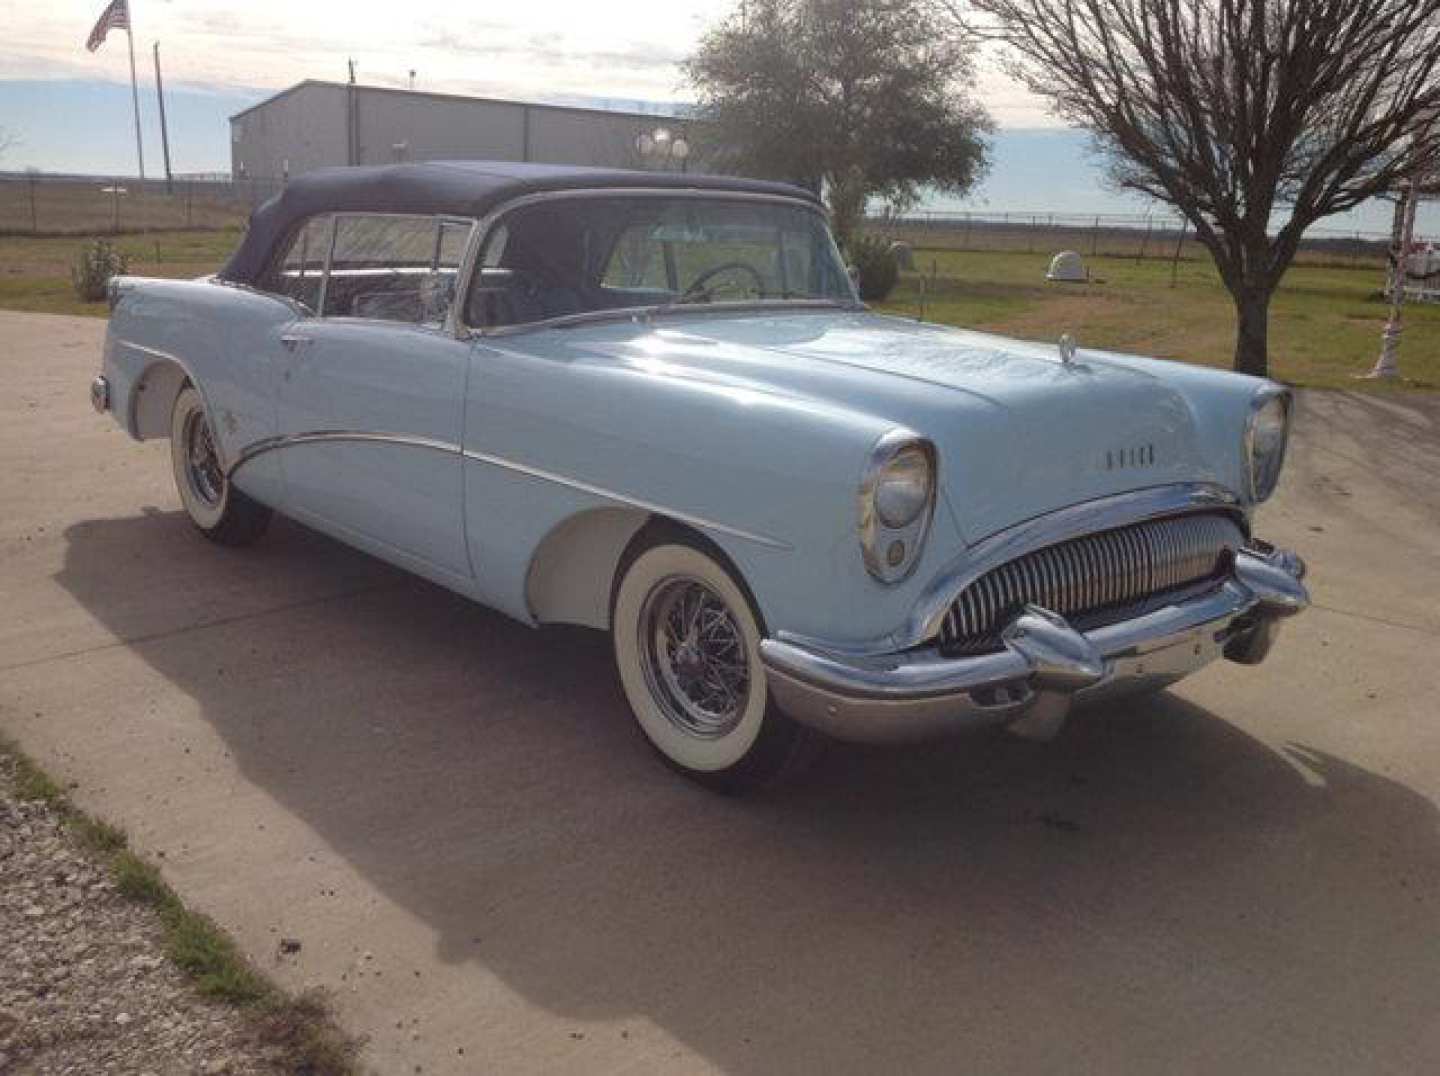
(1154,891)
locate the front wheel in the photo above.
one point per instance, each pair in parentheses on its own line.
(219,511)
(687,647)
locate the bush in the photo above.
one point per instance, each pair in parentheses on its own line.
(878,267)
(98,262)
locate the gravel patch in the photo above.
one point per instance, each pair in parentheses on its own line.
(85,985)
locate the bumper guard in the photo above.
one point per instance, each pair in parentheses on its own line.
(1045,666)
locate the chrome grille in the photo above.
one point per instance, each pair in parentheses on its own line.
(1107,570)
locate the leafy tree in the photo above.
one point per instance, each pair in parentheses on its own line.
(1253,118)
(870,96)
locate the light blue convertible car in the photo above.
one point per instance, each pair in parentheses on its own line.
(652,404)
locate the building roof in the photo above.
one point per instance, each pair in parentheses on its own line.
(678,111)
(459,188)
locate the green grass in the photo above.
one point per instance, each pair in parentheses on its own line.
(301,1025)
(1325,321)
(1324,329)
(35,271)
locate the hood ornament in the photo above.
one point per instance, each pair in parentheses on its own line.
(1067,349)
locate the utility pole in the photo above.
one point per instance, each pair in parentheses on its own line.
(351,137)
(135,97)
(164,131)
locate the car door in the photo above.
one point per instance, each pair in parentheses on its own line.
(372,390)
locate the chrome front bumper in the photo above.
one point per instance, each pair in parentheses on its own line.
(1045,665)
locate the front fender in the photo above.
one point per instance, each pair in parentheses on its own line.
(771,478)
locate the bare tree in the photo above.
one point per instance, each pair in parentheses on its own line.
(1253,118)
(8,141)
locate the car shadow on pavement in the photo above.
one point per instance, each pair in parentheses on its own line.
(1154,891)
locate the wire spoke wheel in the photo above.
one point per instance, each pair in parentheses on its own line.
(207,480)
(694,657)
(221,512)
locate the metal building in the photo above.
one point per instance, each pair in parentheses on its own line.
(314,124)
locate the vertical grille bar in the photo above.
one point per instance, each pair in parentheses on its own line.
(1109,569)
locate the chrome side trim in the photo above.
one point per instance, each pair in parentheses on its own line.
(624,498)
(269,444)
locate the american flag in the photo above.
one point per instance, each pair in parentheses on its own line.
(116,16)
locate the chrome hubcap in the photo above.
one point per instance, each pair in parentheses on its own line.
(202,462)
(694,657)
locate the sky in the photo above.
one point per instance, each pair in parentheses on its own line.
(70,110)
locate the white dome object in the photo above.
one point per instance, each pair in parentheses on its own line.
(1067,267)
(903,255)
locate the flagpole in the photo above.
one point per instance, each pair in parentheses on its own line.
(135,97)
(164,133)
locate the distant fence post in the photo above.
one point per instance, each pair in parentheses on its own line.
(115,201)
(1175,261)
(1030,238)
(34,216)
(1144,242)
(1095,236)
(189,196)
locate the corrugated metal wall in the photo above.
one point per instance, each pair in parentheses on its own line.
(309,125)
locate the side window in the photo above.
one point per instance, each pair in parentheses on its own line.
(638,261)
(395,268)
(303,267)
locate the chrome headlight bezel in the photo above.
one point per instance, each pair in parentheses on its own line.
(893,460)
(1267,434)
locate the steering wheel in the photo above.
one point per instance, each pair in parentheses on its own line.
(697,286)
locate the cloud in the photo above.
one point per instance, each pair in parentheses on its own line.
(546,48)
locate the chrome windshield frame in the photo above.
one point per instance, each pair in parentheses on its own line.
(483,229)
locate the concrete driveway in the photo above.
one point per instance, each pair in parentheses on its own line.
(483,861)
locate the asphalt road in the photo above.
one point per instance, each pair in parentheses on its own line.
(478,854)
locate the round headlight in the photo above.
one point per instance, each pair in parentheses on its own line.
(1265,439)
(902,491)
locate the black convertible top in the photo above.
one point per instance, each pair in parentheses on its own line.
(462,188)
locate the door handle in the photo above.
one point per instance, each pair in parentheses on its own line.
(294,341)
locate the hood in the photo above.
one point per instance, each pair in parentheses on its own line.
(1019,432)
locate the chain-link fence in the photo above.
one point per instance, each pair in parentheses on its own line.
(46,203)
(1105,235)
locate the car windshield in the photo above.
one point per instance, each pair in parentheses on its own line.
(560,257)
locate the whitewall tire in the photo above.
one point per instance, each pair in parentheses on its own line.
(687,648)
(219,511)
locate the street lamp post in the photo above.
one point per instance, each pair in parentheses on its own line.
(663,148)
(1388,364)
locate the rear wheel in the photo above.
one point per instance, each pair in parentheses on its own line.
(687,647)
(219,511)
